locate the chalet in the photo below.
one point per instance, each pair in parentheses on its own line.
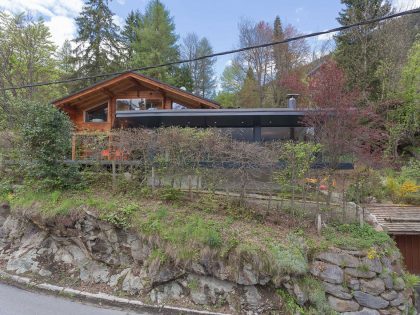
(133,100)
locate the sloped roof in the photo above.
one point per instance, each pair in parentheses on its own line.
(397,219)
(172,91)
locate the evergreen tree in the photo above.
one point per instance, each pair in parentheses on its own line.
(180,77)
(280,51)
(98,42)
(248,95)
(358,53)
(66,59)
(156,41)
(133,23)
(281,61)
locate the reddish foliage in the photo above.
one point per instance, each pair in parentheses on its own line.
(341,126)
(292,82)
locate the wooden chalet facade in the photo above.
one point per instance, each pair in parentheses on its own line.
(132,100)
(94,109)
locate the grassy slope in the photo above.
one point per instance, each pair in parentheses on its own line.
(186,230)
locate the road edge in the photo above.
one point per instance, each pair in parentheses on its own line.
(96,298)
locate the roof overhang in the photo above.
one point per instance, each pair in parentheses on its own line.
(104,89)
(203,118)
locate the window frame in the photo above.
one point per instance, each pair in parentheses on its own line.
(92,108)
(162,102)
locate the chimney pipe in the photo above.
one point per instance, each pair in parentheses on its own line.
(292,101)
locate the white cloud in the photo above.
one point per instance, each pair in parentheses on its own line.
(61,28)
(406,4)
(118,20)
(46,8)
(298,10)
(324,37)
(58,14)
(122,2)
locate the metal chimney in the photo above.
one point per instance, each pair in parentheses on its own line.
(292,101)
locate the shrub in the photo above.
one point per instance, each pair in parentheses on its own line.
(289,304)
(170,194)
(290,258)
(411,280)
(366,184)
(45,135)
(316,295)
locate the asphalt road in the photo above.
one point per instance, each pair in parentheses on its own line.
(15,301)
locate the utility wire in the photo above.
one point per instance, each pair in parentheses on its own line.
(287,40)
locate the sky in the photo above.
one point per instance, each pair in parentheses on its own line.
(215,19)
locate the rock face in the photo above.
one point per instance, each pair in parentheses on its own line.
(356,284)
(97,253)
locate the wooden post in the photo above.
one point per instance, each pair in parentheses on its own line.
(110,149)
(190,186)
(73,147)
(318,224)
(153,178)
(114,174)
(361,214)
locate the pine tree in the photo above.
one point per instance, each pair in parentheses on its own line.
(280,51)
(358,53)
(66,59)
(156,42)
(98,42)
(281,61)
(248,95)
(133,23)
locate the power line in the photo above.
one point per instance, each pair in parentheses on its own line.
(228,52)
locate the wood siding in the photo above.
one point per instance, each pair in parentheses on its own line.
(409,246)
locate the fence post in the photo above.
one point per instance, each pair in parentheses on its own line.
(114,173)
(73,147)
(361,217)
(153,178)
(318,223)
(190,186)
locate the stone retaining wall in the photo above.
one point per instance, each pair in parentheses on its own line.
(357,283)
(95,254)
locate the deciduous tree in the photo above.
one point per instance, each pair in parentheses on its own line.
(202,71)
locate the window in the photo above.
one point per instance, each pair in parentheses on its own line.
(98,114)
(138,104)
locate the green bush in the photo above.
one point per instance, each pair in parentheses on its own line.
(289,304)
(170,194)
(45,136)
(290,258)
(367,183)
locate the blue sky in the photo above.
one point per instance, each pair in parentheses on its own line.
(215,19)
(218,19)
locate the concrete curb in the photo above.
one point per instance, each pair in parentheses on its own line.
(97,298)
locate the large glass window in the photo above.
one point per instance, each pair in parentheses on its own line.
(97,114)
(138,104)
